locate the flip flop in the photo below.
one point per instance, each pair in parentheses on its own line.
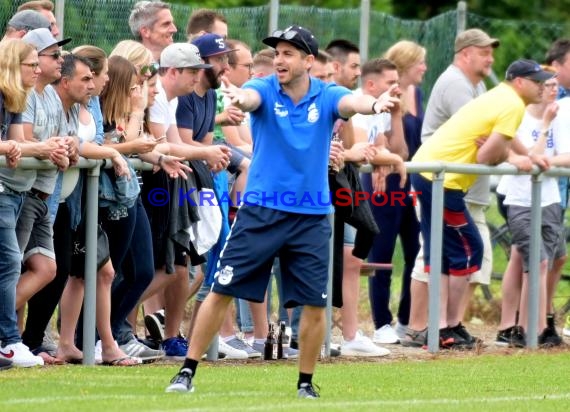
(124,361)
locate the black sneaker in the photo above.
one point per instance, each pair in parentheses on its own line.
(155,325)
(449,339)
(182,382)
(462,331)
(307,391)
(150,342)
(549,338)
(513,337)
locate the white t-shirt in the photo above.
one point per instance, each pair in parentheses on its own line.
(517,189)
(372,123)
(86,133)
(163,111)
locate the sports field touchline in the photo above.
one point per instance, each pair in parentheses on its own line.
(298,405)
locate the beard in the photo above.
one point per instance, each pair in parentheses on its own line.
(213,79)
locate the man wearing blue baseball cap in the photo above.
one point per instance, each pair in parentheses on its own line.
(292,117)
(196,112)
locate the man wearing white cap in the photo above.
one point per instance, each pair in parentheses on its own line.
(44,122)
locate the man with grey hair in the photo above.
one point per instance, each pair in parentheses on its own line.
(152,24)
(24,21)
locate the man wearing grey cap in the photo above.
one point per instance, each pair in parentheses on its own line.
(24,21)
(482,131)
(180,64)
(460,83)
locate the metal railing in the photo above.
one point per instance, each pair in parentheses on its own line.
(437,168)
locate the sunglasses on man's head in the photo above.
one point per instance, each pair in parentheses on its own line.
(290,34)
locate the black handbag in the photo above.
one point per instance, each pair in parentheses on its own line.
(79,250)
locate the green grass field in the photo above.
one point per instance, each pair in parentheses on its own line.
(521,381)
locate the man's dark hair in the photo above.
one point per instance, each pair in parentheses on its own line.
(377,66)
(323,57)
(339,49)
(203,20)
(558,51)
(69,65)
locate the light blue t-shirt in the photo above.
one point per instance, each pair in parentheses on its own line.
(291,143)
(44,111)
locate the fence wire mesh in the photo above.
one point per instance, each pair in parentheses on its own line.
(105,22)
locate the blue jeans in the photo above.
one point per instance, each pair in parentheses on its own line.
(10,264)
(243,316)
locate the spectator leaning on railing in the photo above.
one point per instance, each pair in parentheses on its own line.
(482,131)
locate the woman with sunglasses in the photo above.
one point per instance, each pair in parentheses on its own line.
(19,68)
(123,103)
(139,56)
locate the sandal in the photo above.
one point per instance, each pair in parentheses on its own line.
(124,361)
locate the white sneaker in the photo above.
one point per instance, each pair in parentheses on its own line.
(20,355)
(362,346)
(385,335)
(231,352)
(400,330)
(98,353)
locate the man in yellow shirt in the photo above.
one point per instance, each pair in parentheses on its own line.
(482,131)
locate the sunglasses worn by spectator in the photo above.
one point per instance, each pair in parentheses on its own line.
(290,34)
(55,55)
(149,69)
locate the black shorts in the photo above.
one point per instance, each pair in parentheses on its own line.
(260,234)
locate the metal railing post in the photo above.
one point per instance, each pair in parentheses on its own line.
(534,262)
(364,29)
(329,312)
(436,239)
(60,16)
(89,303)
(273,16)
(461,16)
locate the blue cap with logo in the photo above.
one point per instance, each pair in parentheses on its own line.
(211,45)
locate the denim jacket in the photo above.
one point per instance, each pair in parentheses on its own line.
(117,193)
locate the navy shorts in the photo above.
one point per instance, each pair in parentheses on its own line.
(258,236)
(462,248)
